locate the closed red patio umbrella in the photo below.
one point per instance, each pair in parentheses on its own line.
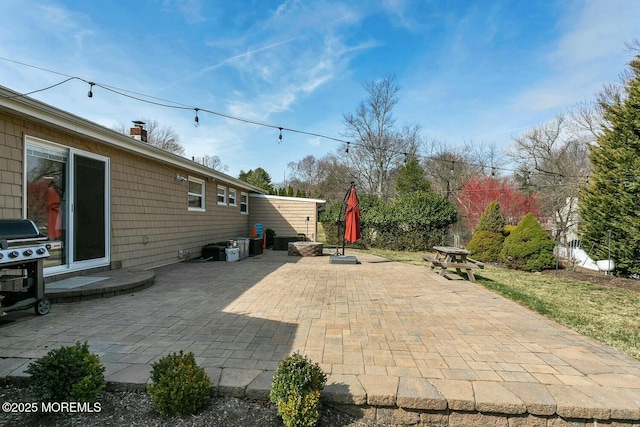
(352,217)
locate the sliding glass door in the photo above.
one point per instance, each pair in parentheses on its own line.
(67,195)
(89,209)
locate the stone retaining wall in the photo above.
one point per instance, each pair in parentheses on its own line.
(305,249)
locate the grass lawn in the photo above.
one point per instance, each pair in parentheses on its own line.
(609,315)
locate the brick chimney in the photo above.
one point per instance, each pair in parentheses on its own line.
(138,131)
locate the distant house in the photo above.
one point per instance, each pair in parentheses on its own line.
(107,200)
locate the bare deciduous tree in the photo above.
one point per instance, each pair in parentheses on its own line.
(212,162)
(448,167)
(554,160)
(379,149)
(327,177)
(163,137)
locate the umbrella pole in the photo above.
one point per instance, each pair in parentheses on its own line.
(338,227)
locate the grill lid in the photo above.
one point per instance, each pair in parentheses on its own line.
(20,230)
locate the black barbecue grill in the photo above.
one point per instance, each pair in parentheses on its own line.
(22,251)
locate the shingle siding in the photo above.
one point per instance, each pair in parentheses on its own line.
(147,203)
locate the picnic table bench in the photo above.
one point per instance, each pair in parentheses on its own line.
(448,257)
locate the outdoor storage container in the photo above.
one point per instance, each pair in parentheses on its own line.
(243,245)
(255,246)
(233,254)
(213,252)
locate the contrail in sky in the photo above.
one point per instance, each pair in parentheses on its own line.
(226,61)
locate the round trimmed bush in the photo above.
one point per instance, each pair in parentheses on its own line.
(179,386)
(67,374)
(296,388)
(528,247)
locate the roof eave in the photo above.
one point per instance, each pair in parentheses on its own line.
(44,113)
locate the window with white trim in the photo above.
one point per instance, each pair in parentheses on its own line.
(222,195)
(244,203)
(233,197)
(195,194)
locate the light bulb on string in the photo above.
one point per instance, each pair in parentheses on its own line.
(347,150)
(196,120)
(90,93)
(280,136)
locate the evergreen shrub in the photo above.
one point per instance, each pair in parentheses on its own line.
(179,386)
(491,219)
(296,388)
(486,242)
(508,229)
(67,374)
(528,247)
(485,246)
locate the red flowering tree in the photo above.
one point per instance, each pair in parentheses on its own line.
(476,193)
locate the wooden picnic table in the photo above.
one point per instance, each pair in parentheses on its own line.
(452,257)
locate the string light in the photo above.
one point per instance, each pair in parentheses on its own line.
(176,105)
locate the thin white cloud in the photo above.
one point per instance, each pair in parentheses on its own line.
(402,14)
(226,61)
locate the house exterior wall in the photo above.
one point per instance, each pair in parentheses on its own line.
(287,216)
(150,220)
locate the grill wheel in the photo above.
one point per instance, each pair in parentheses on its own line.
(43,306)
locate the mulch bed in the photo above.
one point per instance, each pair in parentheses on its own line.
(597,278)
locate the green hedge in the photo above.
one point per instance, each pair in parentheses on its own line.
(415,221)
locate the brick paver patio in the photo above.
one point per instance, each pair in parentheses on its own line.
(400,342)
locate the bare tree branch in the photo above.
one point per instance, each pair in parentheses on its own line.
(163,137)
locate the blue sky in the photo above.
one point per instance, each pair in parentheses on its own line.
(480,71)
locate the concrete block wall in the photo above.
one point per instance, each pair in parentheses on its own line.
(287,216)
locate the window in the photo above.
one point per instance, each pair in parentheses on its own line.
(232,197)
(244,203)
(222,195)
(196,194)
